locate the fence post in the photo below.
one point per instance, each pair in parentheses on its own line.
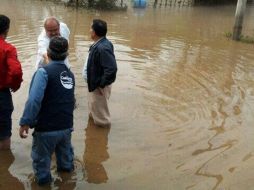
(239,14)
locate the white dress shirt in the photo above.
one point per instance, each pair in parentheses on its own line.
(43,44)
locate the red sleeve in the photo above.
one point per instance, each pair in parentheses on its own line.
(14,76)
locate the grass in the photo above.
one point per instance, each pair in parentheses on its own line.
(245,39)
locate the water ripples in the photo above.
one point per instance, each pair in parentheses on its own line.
(182,102)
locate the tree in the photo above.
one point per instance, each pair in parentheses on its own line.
(239,14)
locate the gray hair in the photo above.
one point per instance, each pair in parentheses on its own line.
(51,18)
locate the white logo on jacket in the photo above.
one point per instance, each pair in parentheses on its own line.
(66,80)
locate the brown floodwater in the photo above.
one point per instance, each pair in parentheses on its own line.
(182,106)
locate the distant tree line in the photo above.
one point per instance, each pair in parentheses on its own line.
(97,4)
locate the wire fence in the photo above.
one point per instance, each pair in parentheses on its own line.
(155,3)
(128,3)
(123,4)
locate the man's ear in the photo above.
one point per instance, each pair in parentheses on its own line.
(47,56)
(93,34)
(6,33)
(48,53)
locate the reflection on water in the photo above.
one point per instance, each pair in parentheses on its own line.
(182,104)
(96,145)
(65,181)
(7,180)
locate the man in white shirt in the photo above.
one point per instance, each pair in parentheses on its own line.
(52,27)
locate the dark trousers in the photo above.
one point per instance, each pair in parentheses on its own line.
(6,109)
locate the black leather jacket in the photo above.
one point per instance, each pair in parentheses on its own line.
(101,65)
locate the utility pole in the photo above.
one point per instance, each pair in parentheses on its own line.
(239,14)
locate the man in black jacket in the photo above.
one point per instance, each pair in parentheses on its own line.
(100,72)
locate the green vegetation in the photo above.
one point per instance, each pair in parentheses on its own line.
(247,39)
(244,39)
(94,4)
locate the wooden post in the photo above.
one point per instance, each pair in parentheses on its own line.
(76,3)
(90,3)
(155,3)
(239,14)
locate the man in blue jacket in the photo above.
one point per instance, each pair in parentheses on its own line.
(49,110)
(100,72)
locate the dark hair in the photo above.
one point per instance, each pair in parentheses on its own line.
(4,24)
(99,27)
(58,48)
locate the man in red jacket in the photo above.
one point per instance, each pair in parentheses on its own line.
(10,80)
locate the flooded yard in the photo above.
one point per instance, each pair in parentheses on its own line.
(182,105)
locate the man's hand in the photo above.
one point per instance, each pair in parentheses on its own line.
(100,91)
(23,131)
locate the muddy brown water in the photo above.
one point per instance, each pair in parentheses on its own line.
(182,105)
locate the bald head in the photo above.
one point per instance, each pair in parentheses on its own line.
(52,27)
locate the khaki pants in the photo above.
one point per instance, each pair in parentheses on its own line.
(98,105)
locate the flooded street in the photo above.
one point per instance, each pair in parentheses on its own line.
(182,105)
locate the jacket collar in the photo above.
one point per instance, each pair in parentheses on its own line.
(57,62)
(97,43)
